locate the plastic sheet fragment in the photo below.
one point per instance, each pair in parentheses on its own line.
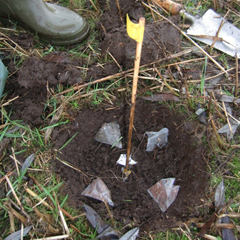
(98,190)
(109,133)
(158,139)
(164,193)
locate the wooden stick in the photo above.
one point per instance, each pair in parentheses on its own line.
(13,191)
(134,91)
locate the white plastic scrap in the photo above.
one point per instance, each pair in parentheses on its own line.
(109,133)
(98,190)
(123,159)
(130,235)
(159,139)
(164,193)
(18,234)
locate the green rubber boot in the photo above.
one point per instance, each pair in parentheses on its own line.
(55,24)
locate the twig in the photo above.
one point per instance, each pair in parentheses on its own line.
(114,60)
(229,124)
(165,82)
(153,16)
(33,194)
(119,11)
(15,213)
(219,140)
(215,5)
(215,38)
(109,211)
(61,216)
(228,114)
(73,167)
(11,220)
(193,42)
(15,161)
(13,191)
(8,174)
(94,6)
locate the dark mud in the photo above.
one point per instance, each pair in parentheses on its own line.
(181,158)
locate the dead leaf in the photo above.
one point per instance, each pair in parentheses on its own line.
(27,163)
(161,97)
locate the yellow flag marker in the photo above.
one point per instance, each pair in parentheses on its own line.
(136,32)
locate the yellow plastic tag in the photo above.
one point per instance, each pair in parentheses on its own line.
(134,30)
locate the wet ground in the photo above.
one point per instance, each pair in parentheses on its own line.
(182,158)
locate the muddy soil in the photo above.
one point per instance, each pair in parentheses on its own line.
(181,158)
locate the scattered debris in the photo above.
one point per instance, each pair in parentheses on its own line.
(130,235)
(98,190)
(159,139)
(164,193)
(213,28)
(103,229)
(109,133)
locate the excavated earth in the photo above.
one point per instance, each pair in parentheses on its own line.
(182,157)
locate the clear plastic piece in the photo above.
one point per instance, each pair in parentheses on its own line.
(109,133)
(98,190)
(164,193)
(130,235)
(159,139)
